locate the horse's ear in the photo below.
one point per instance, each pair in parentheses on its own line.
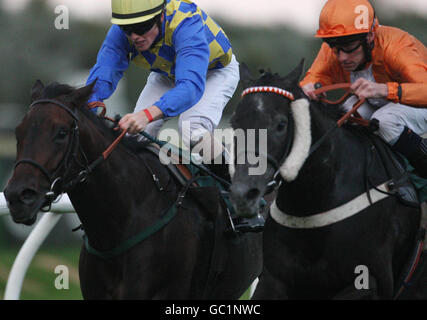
(81,95)
(245,74)
(296,74)
(36,90)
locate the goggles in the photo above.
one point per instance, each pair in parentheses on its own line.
(140,28)
(346,48)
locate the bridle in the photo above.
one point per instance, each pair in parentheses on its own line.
(276,180)
(351,115)
(56,180)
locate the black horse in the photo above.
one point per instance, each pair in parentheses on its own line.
(141,243)
(326,236)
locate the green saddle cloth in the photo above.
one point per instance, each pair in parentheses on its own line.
(420,183)
(204,179)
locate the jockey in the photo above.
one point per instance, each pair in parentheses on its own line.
(385,65)
(194,72)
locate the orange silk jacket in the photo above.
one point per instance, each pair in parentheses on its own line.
(397,58)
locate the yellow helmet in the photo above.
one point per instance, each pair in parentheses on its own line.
(135,11)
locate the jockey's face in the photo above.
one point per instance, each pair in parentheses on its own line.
(144,42)
(350,56)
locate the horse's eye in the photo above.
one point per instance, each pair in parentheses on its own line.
(282,125)
(62,133)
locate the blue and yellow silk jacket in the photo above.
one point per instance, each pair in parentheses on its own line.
(189,44)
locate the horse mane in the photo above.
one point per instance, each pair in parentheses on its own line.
(329,111)
(55,89)
(335,113)
(268,78)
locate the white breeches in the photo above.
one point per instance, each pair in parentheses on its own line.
(205,115)
(393,117)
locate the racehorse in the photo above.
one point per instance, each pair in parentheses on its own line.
(336,229)
(140,242)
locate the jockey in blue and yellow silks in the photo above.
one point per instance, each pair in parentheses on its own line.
(194,72)
(189,41)
(161,57)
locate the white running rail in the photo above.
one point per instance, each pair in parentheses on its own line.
(35,240)
(32,243)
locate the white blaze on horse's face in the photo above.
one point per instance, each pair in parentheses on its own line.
(253,154)
(259,104)
(244,150)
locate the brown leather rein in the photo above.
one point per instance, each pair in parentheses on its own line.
(352,115)
(98,104)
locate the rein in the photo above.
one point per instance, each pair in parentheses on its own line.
(352,116)
(71,154)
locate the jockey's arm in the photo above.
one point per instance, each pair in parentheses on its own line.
(191,67)
(321,71)
(192,61)
(112,61)
(408,64)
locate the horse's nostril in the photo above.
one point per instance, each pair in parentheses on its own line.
(28,196)
(252,194)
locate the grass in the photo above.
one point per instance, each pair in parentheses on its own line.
(39,283)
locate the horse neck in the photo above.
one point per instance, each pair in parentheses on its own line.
(326,171)
(105,200)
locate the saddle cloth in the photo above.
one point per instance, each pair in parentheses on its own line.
(184,171)
(409,187)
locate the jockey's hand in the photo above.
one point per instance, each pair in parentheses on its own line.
(367,89)
(309,91)
(134,122)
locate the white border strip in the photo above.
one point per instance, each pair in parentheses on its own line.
(329,217)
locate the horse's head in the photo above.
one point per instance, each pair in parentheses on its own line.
(266,106)
(47,139)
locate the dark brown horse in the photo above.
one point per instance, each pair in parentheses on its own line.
(340,226)
(141,242)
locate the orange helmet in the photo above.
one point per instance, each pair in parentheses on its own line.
(340,18)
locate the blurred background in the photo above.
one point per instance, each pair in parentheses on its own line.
(270,34)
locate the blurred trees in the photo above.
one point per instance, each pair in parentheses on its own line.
(31,48)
